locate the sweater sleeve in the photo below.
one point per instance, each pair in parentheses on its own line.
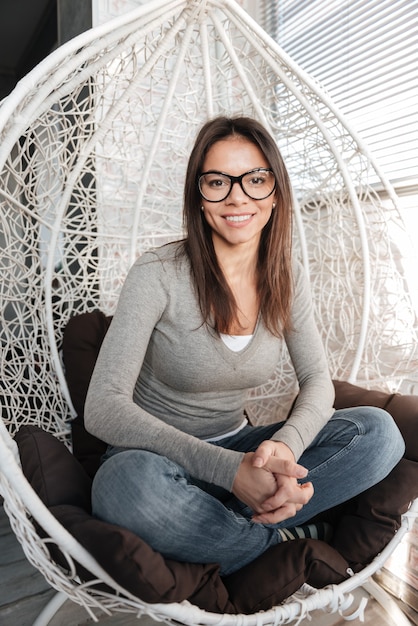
(110,412)
(314,405)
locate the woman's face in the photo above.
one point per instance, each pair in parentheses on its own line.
(237,220)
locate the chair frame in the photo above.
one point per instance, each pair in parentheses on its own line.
(104,67)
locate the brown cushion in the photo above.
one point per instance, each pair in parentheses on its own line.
(64,487)
(281,571)
(369,521)
(141,570)
(403,408)
(60,481)
(364,525)
(81,344)
(347,394)
(52,470)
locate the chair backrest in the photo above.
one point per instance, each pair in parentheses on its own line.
(93,149)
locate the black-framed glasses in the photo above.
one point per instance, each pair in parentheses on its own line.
(257,184)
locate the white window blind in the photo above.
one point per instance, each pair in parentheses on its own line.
(365,54)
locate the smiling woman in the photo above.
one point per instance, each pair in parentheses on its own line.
(185,470)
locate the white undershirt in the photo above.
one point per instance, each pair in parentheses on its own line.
(231,432)
(236,342)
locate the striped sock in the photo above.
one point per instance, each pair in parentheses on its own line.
(321,530)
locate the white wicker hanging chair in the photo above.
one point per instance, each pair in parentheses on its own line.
(93,148)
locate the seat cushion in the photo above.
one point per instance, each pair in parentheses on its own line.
(402,407)
(281,570)
(64,487)
(369,521)
(363,526)
(139,569)
(52,470)
(81,342)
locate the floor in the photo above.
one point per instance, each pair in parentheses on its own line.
(24,592)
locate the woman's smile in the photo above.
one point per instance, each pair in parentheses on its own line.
(237,219)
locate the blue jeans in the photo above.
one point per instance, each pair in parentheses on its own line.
(188,520)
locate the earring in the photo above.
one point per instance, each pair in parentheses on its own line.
(273,205)
(202,208)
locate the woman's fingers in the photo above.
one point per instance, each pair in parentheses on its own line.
(283,506)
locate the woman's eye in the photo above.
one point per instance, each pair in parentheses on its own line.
(216,182)
(257,180)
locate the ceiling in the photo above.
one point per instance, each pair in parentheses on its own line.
(28,32)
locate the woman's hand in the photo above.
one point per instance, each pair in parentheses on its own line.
(267,482)
(253,485)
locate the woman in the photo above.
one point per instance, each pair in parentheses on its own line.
(198,323)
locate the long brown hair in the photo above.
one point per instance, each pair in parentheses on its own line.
(274,273)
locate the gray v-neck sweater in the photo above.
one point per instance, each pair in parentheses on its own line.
(165,381)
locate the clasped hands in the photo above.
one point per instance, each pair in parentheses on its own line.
(267,481)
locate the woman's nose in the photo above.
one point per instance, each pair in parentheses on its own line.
(237,194)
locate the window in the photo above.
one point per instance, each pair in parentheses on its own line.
(364,52)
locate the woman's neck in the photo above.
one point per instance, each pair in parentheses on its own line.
(237,262)
(239,267)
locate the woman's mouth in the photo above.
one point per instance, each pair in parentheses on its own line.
(238,218)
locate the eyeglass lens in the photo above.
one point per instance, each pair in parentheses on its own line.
(257,184)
